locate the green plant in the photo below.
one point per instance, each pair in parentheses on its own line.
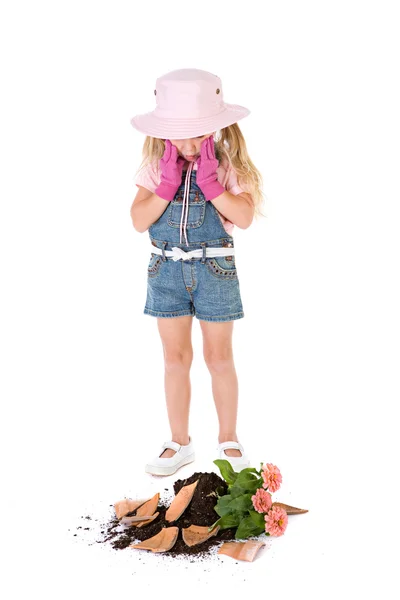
(236,508)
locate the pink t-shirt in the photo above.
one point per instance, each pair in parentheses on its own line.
(150,178)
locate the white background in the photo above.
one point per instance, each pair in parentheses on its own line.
(317,354)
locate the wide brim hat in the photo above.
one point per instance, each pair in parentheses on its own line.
(189,103)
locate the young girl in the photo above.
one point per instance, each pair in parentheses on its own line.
(193,189)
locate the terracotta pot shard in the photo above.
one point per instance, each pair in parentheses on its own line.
(195,534)
(241,550)
(162,542)
(149,508)
(125,506)
(291,510)
(139,521)
(143,523)
(180,502)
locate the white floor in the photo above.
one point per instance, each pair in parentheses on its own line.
(337,549)
(318,353)
(301,559)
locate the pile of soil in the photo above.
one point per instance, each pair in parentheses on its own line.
(200,511)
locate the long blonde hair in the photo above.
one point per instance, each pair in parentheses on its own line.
(231,145)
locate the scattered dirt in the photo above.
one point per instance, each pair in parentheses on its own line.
(200,511)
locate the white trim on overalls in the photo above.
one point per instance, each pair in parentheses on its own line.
(179,254)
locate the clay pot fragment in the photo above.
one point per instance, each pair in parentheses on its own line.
(291,510)
(142,523)
(149,508)
(241,550)
(180,502)
(162,542)
(125,506)
(195,534)
(139,521)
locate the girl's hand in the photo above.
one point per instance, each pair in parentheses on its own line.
(207,164)
(171,172)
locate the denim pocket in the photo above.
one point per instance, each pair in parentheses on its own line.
(154,265)
(196,210)
(222,266)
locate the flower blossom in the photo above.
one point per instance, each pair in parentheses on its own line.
(272,477)
(276,521)
(262,501)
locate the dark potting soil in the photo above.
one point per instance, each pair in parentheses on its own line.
(200,511)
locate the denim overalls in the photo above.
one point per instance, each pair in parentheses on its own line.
(205,287)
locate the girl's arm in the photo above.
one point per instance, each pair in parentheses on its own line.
(237,209)
(146,209)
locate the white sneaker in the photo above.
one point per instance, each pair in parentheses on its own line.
(167,466)
(237,462)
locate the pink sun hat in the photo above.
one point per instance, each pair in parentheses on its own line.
(189,103)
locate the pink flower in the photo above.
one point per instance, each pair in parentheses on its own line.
(262,501)
(276,521)
(272,477)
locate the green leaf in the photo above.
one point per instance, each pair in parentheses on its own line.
(248,481)
(248,528)
(228,521)
(248,470)
(241,504)
(236,490)
(227,471)
(223,505)
(257,518)
(228,504)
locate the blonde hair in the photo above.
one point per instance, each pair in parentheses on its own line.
(231,145)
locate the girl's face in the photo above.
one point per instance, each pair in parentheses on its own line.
(189,148)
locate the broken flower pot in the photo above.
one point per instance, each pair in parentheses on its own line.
(241,550)
(291,510)
(192,511)
(195,534)
(139,521)
(162,542)
(125,506)
(180,502)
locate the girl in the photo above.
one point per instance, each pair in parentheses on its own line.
(193,189)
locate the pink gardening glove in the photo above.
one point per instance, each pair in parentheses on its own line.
(207,164)
(171,172)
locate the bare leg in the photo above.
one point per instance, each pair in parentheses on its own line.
(217,350)
(178,355)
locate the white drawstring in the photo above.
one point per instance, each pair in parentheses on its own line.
(185,204)
(179,254)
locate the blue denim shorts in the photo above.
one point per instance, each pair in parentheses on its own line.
(207,288)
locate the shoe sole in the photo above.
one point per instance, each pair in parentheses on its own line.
(156,470)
